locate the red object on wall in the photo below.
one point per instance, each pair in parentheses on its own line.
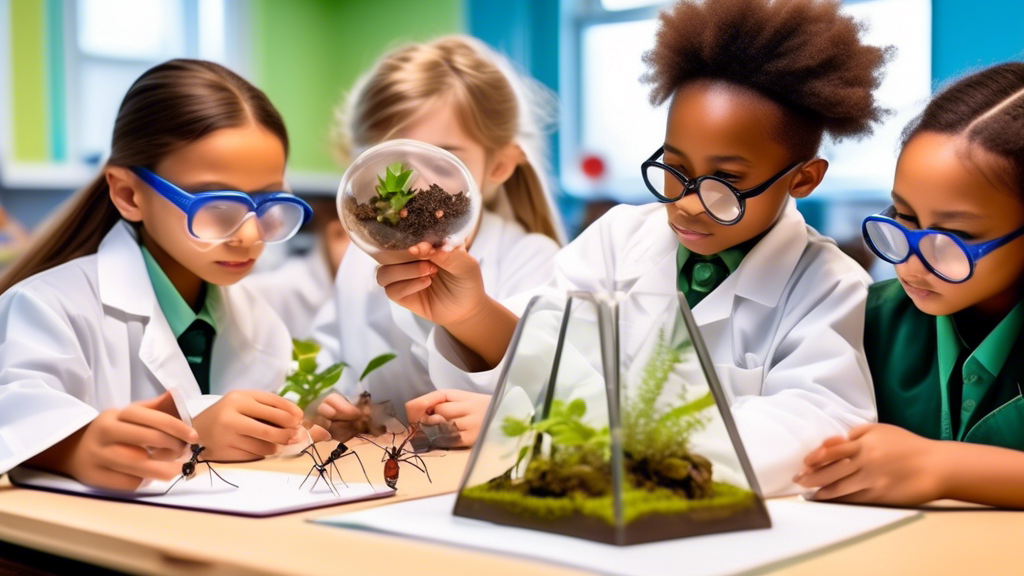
(592,166)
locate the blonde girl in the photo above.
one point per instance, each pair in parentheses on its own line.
(457,94)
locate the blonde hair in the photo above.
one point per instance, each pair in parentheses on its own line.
(495,105)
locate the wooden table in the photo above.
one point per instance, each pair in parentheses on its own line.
(155,540)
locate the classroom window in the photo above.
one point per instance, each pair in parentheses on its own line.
(608,116)
(110,43)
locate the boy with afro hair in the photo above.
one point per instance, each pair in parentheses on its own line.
(754,87)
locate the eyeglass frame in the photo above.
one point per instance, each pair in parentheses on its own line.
(191,203)
(694,184)
(974,251)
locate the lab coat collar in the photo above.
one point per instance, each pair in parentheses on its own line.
(649,267)
(120,257)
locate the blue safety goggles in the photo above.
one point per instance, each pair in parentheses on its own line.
(943,253)
(217,215)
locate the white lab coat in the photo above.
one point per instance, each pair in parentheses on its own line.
(785,330)
(89,335)
(296,290)
(360,322)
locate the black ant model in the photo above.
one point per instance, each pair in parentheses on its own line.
(394,455)
(322,466)
(188,469)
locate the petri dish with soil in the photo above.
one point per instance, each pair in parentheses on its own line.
(403,192)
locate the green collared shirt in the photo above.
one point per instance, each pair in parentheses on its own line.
(929,382)
(699,275)
(178,313)
(971,372)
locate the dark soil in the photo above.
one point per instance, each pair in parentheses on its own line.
(430,216)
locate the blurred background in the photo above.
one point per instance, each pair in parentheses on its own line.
(65,65)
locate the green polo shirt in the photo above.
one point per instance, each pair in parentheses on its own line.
(194,339)
(930,382)
(706,272)
(178,313)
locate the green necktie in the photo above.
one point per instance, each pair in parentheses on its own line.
(196,343)
(700,276)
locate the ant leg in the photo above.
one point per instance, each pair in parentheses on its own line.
(425,470)
(335,466)
(307,476)
(318,459)
(365,475)
(218,475)
(176,480)
(361,437)
(416,466)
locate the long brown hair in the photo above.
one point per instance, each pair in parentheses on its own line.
(169,106)
(987,109)
(497,106)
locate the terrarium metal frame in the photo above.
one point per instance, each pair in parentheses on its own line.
(647,528)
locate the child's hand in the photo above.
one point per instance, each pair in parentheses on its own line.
(879,463)
(441,286)
(463,410)
(341,419)
(248,425)
(121,448)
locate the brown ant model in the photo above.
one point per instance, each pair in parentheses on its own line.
(322,467)
(394,455)
(188,469)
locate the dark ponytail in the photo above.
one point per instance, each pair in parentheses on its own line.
(169,106)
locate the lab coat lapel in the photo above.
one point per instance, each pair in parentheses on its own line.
(118,258)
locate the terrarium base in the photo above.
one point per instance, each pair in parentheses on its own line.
(749,514)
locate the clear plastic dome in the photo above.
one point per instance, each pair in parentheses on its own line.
(403,192)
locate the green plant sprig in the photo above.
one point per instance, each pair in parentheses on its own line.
(308,383)
(393,193)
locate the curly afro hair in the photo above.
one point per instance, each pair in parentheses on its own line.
(802,54)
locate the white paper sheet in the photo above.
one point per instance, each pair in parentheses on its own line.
(259,492)
(798,529)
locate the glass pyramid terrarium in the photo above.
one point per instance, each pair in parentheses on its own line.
(609,424)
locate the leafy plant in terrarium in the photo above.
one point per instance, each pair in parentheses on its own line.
(393,193)
(578,456)
(306,383)
(655,439)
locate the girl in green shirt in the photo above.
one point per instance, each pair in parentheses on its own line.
(944,339)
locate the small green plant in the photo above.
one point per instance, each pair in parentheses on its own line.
(650,431)
(393,193)
(307,383)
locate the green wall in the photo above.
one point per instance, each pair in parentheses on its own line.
(309,52)
(30,96)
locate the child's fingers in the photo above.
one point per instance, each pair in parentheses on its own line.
(827,455)
(419,408)
(254,447)
(422,249)
(432,420)
(261,431)
(843,487)
(858,431)
(401,290)
(453,410)
(335,407)
(276,401)
(318,434)
(826,475)
(135,461)
(283,419)
(142,415)
(392,273)
(457,261)
(135,435)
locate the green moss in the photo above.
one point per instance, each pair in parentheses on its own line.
(636,502)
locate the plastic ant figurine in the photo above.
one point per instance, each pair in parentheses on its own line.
(188,469)
(322,467)
(394,455)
